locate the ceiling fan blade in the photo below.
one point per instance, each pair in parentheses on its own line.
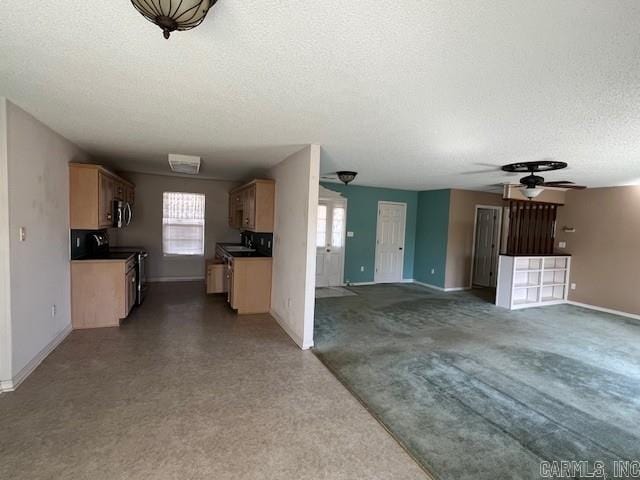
(563,185)
(558,182)
(573,187)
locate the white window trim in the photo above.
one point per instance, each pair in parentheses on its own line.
(175,254)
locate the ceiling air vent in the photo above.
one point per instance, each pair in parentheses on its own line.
(184,164)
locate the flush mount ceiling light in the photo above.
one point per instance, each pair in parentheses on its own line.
(186,164)
(172,15)
(346,177)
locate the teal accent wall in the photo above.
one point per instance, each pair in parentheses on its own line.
(362,219)
(432,234)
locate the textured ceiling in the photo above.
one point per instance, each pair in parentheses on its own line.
(413,94)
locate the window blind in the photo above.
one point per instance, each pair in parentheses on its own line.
(183,223)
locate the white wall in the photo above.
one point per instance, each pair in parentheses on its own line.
(146,228)
(5,279)
(38,201)
(294,255)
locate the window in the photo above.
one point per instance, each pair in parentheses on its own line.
(321,232)
(182,223)
(337,227)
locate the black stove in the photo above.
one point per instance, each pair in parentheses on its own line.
(94,245)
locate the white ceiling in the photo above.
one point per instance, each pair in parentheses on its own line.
(412,94)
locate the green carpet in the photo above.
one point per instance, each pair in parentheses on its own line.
(477,392)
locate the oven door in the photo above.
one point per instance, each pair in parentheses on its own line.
(142,277)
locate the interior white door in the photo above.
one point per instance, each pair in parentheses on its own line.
(390,242)
(486,247)
(332,217)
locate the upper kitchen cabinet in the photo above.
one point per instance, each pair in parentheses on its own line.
(251,206)
(92,191)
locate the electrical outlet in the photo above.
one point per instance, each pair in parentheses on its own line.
(433,271)
(573,286)
(562,244)
(362,268)
(54,310)
(22,234)
(350,234)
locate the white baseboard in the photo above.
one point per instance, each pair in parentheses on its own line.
(174,279)
(428,285)
(441,289)
(287,329)
(359,284)
(606,310)
(457,289)
(11,385)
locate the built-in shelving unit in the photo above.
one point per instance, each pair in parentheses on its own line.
(532,281)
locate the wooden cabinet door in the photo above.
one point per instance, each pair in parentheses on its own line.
(216,274)
(251,208)
(129,195)
(235,209)
(105,200)
(118,190)
(232,210)
(245,209)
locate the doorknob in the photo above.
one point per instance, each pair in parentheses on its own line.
(400,248)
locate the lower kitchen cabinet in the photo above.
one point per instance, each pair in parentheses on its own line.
(250,284)
(216,276)
(103,292)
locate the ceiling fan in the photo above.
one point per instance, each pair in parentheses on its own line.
(344,176)
(532,185)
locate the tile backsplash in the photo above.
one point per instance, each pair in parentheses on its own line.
(81,245)
(262,242)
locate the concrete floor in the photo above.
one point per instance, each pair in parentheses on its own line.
(187,390)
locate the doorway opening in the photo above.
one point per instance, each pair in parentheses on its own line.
(390,236)
(486,246)
(330,239)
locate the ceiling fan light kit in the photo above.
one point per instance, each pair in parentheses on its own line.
(172,15)
(533,185)
(531,192)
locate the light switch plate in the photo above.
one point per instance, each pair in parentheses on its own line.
(350,234)
(22,234)
(562,244)
(573,286)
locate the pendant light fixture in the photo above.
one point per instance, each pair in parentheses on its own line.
(172,15)
(346,177)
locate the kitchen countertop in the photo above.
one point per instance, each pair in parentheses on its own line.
(118,257)
(237,255)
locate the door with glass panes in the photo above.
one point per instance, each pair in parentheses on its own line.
(332,216)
